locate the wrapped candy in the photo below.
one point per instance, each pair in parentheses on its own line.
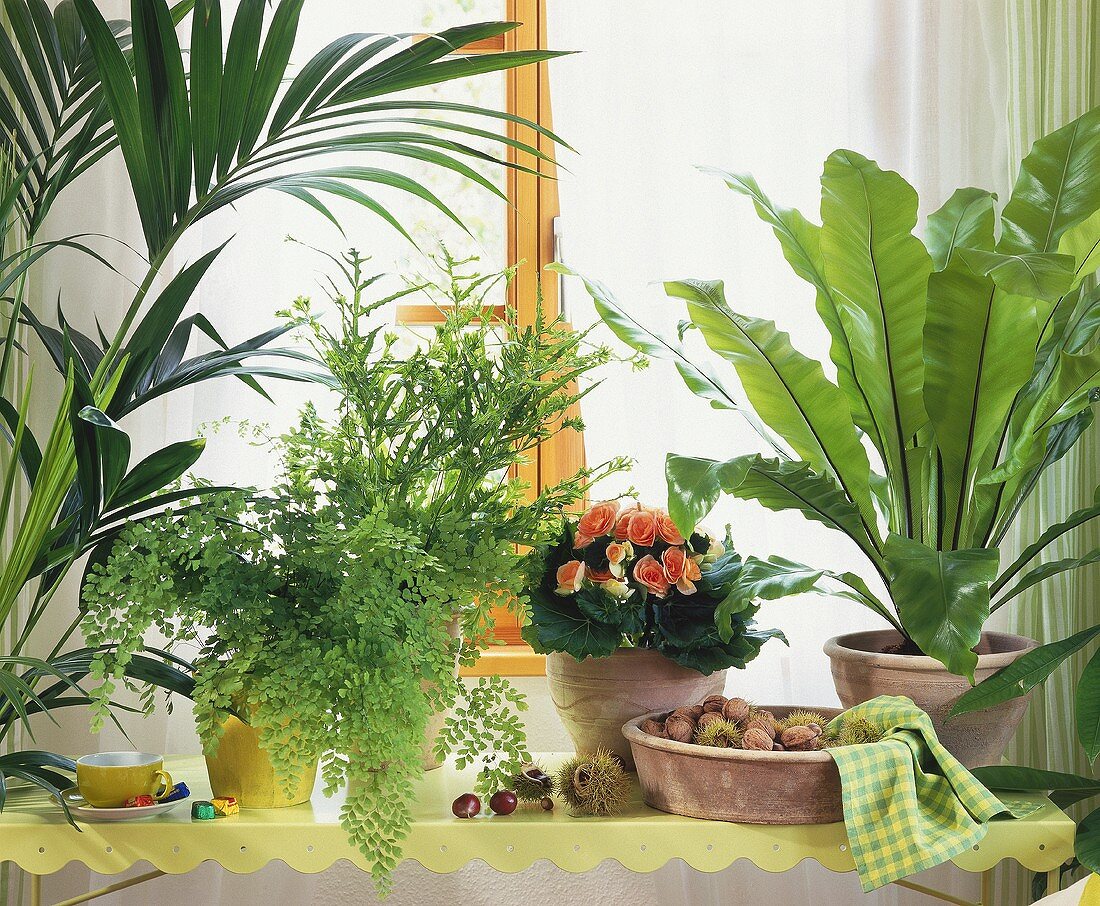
(203,811)
(179,791)
(139,802)
(226,806)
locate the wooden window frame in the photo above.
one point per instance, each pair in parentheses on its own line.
(533,208)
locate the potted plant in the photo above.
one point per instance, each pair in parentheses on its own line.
(625,605)
(192,144)
(964,369)
(324,612)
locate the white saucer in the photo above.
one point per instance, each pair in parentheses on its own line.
(90,813)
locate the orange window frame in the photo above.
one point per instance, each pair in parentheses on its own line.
(533,207)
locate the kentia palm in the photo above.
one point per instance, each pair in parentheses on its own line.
(80,88)
(964,366)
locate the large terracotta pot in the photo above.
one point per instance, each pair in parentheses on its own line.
(862,671)
(754,787)
(596,696)
(242,769)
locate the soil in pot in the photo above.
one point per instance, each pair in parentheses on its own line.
(596,696)
(863,668)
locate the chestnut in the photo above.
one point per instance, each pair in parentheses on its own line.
(503,802)
(466,806)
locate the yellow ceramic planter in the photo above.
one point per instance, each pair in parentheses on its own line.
(242,769)
(428,761)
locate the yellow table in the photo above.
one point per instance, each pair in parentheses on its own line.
(34,835)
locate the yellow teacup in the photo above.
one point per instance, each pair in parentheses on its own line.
(108,779)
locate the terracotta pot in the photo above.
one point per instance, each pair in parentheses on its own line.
(754,787)
(861,671)
(242,769)
(596,696)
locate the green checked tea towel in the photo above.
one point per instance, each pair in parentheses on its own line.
(908,803)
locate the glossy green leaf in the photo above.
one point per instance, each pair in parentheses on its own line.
(30,455)
(114,448)
(1048,536)
(156,326)
(781,486)
(157,471)
(694,486)
(21,25)
(1086,844)
(164,676)
(1023,674)
(788,390)
(1047,570)
(164,110)
(801,243)
(942,598)
(121,96)
(70,33)
(1070,389)
(1082,243)
(270,70)
(1082,326)
(1064,789)
(976,344)
(557,624)
(702,380)
(966,220)
(764,580)
(1036,275)
(309,79)
(24,766)
(1058,187)
(1087,704)
(206,90)
(241,57)
(465,67)
(879,271)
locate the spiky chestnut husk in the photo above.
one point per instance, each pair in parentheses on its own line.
(708,718)
(854,731)
(719,734)
(803,719)
(529,785)
(593,784)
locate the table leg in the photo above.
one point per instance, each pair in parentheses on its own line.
(987,887)
(112,888)
(1054,880)
(36,890)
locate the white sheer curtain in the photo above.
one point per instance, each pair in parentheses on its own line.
(767,87)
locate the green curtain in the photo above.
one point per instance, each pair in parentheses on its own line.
(1053,77)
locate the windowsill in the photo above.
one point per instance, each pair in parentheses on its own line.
(508,660)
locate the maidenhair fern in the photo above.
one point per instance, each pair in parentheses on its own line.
(324,611)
